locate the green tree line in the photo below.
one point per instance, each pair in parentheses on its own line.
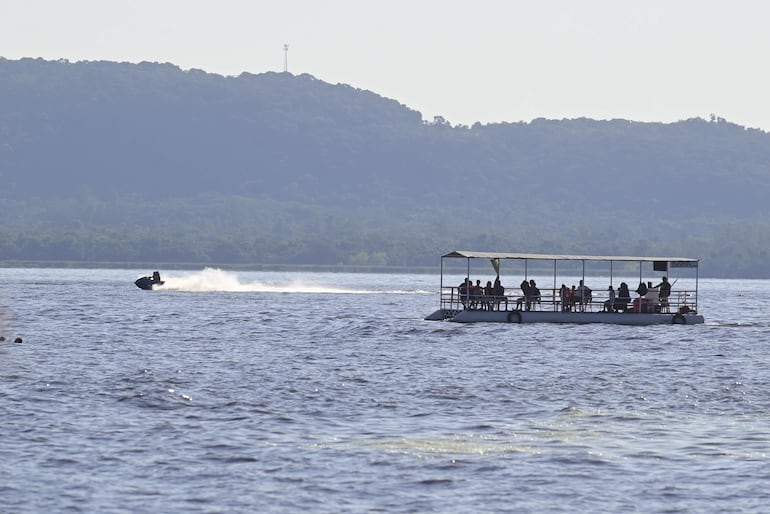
(120,162)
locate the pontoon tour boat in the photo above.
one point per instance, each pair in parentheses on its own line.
(612,289)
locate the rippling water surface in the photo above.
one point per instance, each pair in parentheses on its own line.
(282,392)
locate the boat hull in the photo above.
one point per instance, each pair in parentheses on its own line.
(614,318)
(146,283)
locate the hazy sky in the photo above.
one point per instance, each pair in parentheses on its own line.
(480,60)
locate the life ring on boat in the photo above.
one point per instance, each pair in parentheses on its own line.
(514,317)
(679,319)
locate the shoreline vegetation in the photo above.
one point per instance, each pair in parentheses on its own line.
(106,164)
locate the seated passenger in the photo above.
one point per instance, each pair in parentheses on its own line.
(623,297)
(499,293)
(463,290)
(476,294)
(609,304)
(489,293)
(583,294)
(525,292)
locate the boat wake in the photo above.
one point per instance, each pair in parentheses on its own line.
(213,279)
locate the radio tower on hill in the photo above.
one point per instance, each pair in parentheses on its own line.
(285,58)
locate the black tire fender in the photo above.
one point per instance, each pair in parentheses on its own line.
(679,319)
(514,317)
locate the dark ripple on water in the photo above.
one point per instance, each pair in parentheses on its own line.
(121,400)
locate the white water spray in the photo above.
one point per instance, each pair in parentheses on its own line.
(213,279)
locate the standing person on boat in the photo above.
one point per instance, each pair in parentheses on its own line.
(623,297)
(564,295)
(609,304)
(642,289)
(664,291)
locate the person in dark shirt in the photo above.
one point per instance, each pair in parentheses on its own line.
(525,294)
(583,295)
(566,298)
(489,293)
(499,293)
(463,290)
(533,295)
(664,291)
(622,298)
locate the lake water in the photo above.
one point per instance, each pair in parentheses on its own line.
(288,392)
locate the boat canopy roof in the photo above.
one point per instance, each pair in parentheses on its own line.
(466,254)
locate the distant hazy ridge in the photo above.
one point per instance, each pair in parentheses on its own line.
(119,162)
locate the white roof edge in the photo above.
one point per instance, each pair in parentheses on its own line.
(560,257)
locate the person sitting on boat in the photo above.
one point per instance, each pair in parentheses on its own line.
(463,290)
(664,291)
(472,295)
(489,293)
(525,293)
(477,292)
(156,277)
(609,304)
(533,295)
(642,303)
(499,292)
(623,297)
(583,294)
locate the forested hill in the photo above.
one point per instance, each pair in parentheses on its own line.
(103,161)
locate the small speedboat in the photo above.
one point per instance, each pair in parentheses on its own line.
(149,281)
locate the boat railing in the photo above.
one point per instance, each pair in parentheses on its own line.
(680,301)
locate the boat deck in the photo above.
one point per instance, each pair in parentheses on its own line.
(679,308)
